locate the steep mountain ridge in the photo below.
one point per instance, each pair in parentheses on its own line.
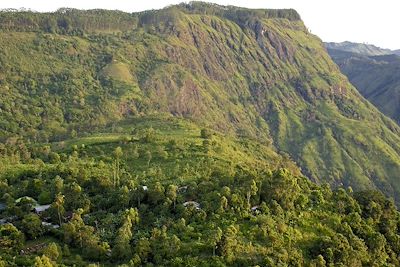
(376,77)
(246,72)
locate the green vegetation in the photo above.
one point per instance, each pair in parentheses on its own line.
(188,136)
(253,73)
(234,203)
(375,77)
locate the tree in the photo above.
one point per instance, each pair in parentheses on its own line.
(140,193)
(53,252)
(35,187)
(3,263)
(10,237)
(54,157)
(73,133)
(84,236)
(149,135)
(172,193)
(134,152)
(205,134)
(228,243)
(45,197)
(58,184)
(251,191)
(32,226)
(161,153)
(157,193)
(319,261)
(284,188)
(164,246)
(173,146)
(75,197)
(206,145)
(117,154)
(122,248)
(223,204)
(57,209)
(64,24)
(143,249)
(43,261)
(123,196)
(148,156)
(214,238)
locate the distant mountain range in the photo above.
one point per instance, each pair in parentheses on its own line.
(364,49)
(375,72)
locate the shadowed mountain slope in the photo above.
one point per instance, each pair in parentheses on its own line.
(376,77)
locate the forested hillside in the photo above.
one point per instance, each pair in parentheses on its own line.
(377,78)
(195,135)
(163,192)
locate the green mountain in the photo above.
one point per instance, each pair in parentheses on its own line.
(364,49)
(375,77)
(188,136)
(256,73)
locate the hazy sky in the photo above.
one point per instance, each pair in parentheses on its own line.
(364,21)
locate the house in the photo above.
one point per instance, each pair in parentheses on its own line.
(254,208)
(182,189)
(145,188)
(50,225)
(40,208)
(8,219)
(35,207)
(192,203)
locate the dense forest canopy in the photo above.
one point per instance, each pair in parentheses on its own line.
(67,21)
(168,193)
(75,21)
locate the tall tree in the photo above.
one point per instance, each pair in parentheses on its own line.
(77,233)
(32,225)
(228,243)
(117,155)
(172,193)
(214,238)
(58,204)
(122,247)
(251,191)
